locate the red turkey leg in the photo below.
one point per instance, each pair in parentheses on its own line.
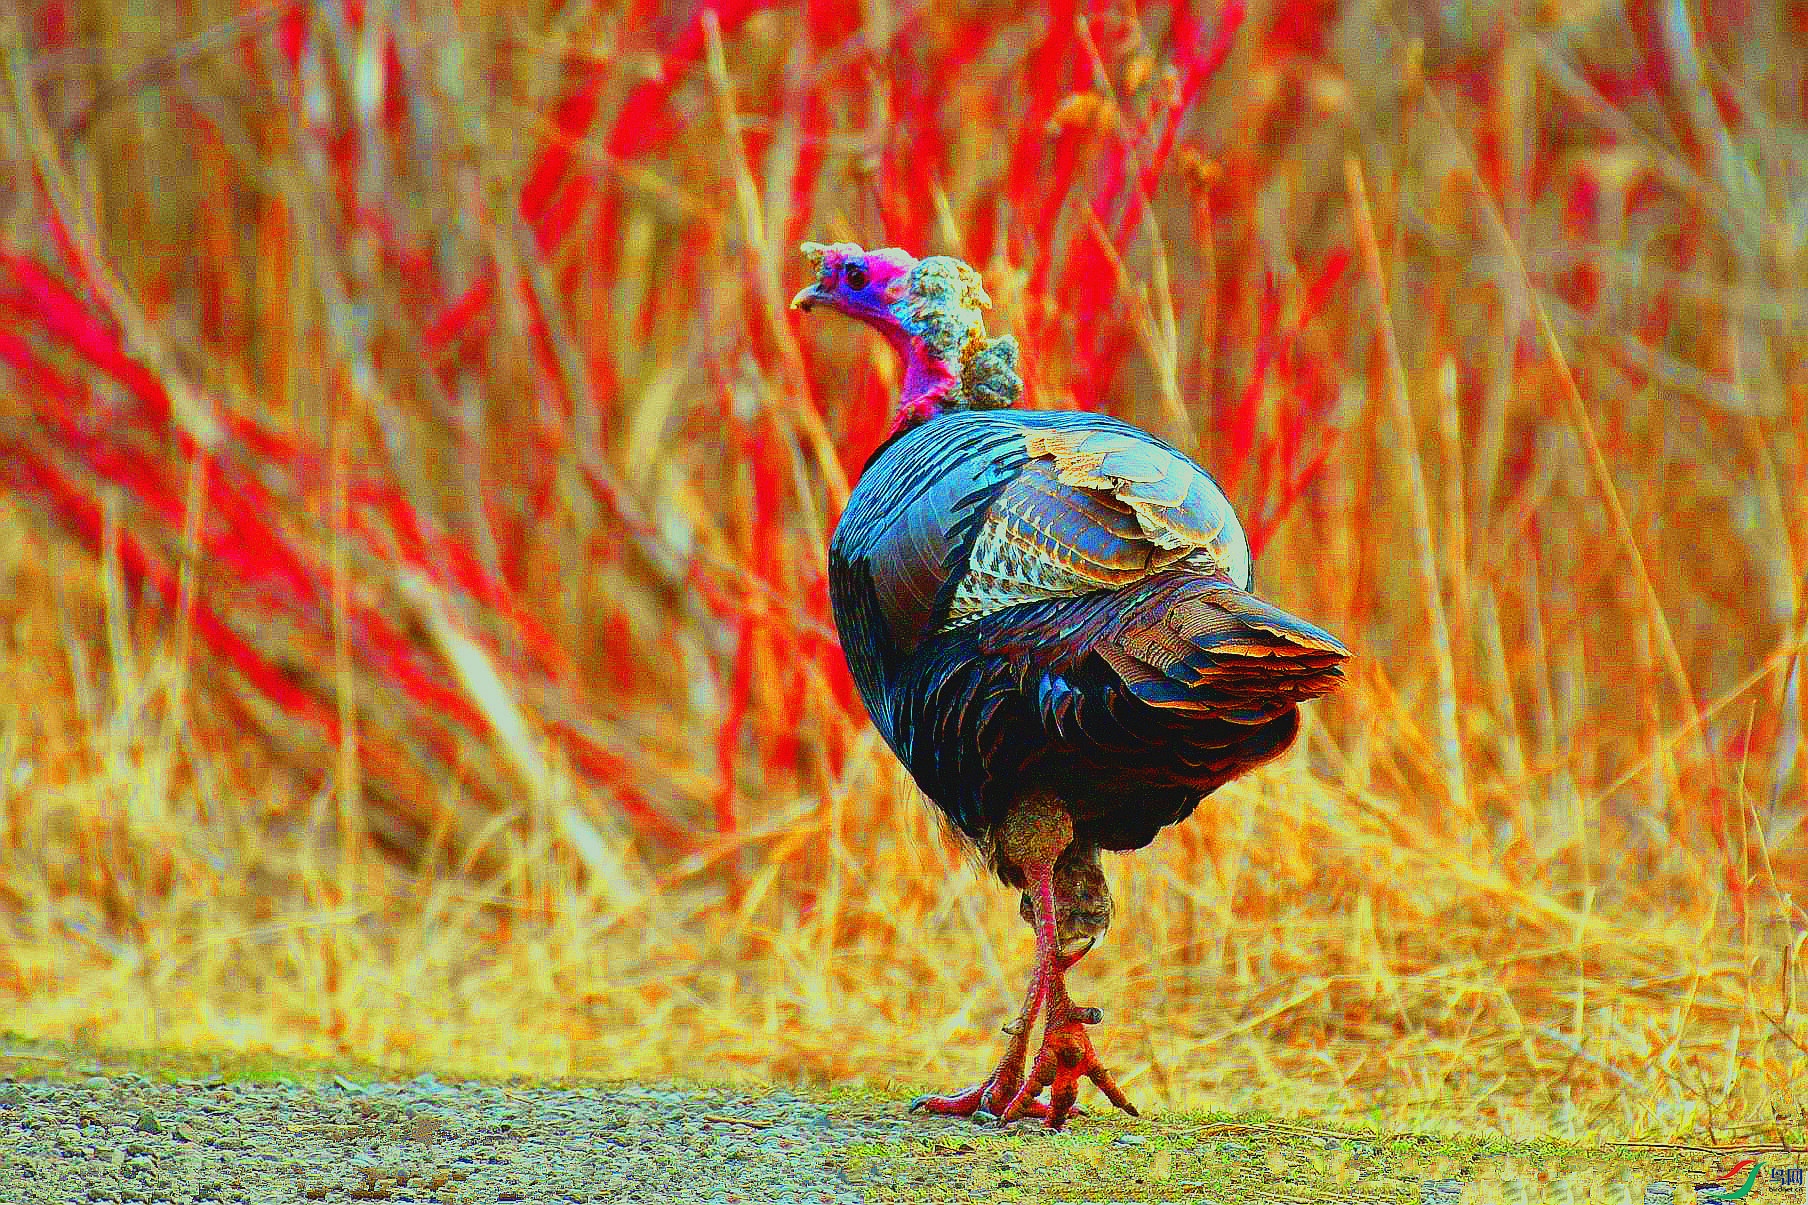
(1033,835)
(991,1095)
(1066,1055)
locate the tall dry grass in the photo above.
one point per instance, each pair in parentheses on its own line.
(416,493)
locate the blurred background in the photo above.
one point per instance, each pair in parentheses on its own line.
(414,497)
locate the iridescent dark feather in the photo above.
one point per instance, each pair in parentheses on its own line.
(1060,601)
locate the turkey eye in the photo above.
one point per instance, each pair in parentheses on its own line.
(855,275)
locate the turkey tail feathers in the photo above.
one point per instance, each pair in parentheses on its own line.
(1210,649)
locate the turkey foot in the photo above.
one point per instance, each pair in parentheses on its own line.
(988,1098)
(1066,1057)
(996,1092)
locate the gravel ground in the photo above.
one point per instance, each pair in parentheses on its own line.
(128,1138)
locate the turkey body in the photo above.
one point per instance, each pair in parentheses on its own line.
(1060,603)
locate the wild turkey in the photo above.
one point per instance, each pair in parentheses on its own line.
(1049,617)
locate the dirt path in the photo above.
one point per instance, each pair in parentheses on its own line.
(128,1138)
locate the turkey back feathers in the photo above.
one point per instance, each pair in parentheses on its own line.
(1039,600)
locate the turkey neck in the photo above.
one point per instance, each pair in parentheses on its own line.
(927,386)
(931,383)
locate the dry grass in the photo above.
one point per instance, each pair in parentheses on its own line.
(416,643)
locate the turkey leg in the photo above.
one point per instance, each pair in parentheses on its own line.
(1032,838)
(989,1097)
(1066,1055)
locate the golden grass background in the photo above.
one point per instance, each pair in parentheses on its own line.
(1536,869)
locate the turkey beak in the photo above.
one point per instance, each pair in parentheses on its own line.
(806,297)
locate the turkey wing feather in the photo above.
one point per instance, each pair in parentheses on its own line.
(1096,507)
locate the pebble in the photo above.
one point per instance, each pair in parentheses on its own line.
(1440,1192)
